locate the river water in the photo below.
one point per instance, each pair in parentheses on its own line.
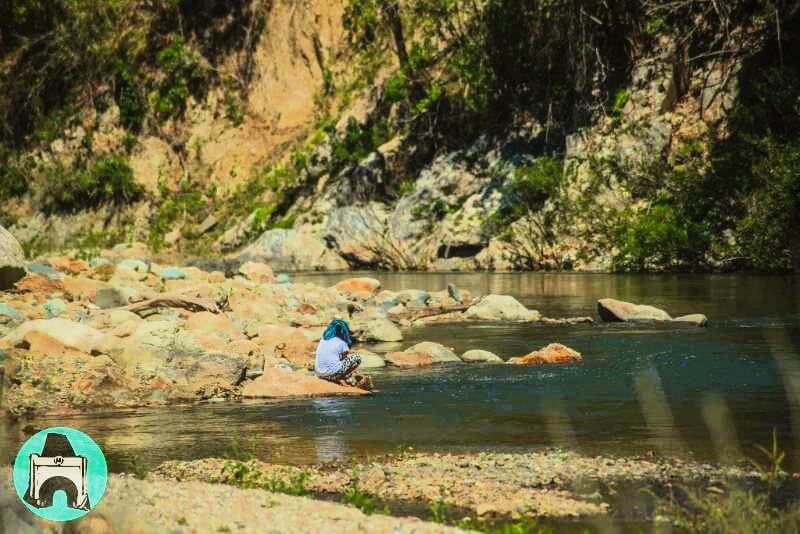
(671,389)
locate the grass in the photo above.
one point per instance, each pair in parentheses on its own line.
(354,496)
(735,508)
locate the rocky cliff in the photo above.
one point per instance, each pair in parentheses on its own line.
(331,134)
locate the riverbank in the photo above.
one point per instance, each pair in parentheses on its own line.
(157,506)
(484,487)
(122,332)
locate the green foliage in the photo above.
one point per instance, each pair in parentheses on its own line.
(186,202)
(736,509)
(394,88)
(521,526)
(354,496)
(295,484)
(107,180)
(355,143)
(439,511)
(14,172)
(527,191)
(138,468)
(237,451)
(620,99)
(182,76)
(659,237)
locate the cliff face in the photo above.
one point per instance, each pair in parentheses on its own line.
(334,134)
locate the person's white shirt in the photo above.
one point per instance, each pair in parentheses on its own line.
(329,355)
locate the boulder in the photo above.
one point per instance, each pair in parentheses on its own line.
(356,233)
(375,329)
(209,369)
(172,273)
(54,336)
(387,300)
(438,353)
(54,307)
(135,264)
(370,360)
(260,273)
(500,308)
(552,353)
(612,310)
(280,383)
(38,284)
(292,250)
(476,355)
(697,319)
(109,297)
(362,288)
(12,260)
(68,265)
(409,359)
(287,342)
(82,288)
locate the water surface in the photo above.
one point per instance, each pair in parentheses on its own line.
(639,388)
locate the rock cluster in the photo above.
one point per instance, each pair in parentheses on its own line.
(612,310)
(125,331)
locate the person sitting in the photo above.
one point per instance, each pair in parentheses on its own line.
(334,361)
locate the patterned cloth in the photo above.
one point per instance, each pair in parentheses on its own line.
(349,363)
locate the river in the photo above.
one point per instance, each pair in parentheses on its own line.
(640,388)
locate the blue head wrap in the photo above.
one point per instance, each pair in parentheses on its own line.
(340,329)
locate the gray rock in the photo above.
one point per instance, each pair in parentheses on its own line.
(612,310)
(44,270)
(136,265)
(356,232)
(110,297)
(439,353)
(477,355)
(414,298)
(500,308)
(222,368)
(172,273)
(98,262)
(697,319)
(12,260)
(370,360)
(54,307)
(8,311)
(293,251)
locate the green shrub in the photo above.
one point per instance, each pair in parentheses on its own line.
(182,76)
(354,496)
(659,237)
(527,191)
(14,173)
(107,180)
(394,89)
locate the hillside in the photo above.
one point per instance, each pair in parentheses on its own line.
(422,134)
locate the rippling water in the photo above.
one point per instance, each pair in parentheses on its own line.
(640,387)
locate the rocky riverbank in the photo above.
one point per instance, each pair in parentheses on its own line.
(120,330)
(488,486)
(158,506)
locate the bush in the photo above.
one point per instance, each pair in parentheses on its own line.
(108,180)
(183,76)
(528,190)
(659,237)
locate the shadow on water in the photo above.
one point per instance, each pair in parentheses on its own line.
(748,357)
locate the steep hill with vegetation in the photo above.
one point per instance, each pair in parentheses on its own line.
(418,134)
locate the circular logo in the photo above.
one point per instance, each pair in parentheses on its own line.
(60,473)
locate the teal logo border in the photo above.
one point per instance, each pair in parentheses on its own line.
(96,475)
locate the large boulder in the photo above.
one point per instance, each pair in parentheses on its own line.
(356,233)
(438,353)
(612,310)
(370,360)
(279,383)
(552,353)
(260,273)
(12,260)
(369,327)
(500,308)
(409,359)
(477,355)
(293,344)
(205,370)
(362,288)
(291,250)
(54,336)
